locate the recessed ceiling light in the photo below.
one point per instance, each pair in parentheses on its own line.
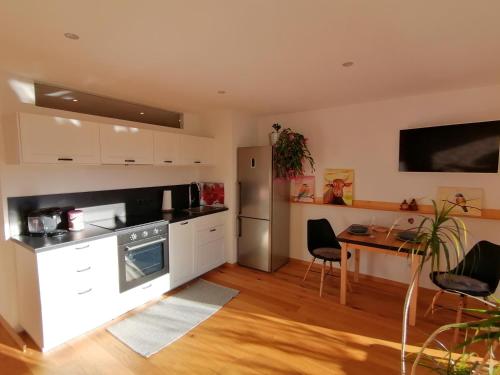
(71,36)
(75,100)
(222,92)
(347,64)
(141,113)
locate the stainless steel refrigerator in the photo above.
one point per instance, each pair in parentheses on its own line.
(264,211)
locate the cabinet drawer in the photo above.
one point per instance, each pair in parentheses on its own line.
(143,293)
(209,221)
(210,234)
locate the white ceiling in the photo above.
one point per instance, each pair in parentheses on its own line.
(269,55)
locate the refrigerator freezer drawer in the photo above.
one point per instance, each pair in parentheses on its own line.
(254,245)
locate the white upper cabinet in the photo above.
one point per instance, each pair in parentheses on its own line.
(52,139)
(166,148)
(197,150)
(126,145)
(43,139)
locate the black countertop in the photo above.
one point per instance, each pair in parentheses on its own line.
(91,232)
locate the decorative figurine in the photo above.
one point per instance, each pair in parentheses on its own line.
(404,206)
(413,205)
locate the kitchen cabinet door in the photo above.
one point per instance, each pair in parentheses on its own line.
(197,150)
(126,145)
(181,253)
(51,139)
(209,255)
(166,148)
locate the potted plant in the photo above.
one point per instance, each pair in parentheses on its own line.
(289,154)
(439,237)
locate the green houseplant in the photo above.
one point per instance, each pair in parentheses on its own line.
(442,237)
(290,153)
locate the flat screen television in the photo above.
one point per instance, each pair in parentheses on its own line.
(470,147)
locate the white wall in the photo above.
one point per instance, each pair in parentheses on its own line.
(365,137)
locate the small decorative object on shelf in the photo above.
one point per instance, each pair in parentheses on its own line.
(413,205)
(274,135)
(404,206)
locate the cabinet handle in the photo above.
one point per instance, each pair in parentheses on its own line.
(213,230)
(147,286)
(197,162)
(83,247)
(85,269)
(167,161)
(65,159)
(184,223)
(239,197)
(129,160)
(85,291)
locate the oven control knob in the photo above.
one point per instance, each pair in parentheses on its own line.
(156,231)
(133,236)
(145,233)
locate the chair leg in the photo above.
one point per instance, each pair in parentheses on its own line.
(322,278)
(461,304)
(433,303)
(349,285)
(330,271)
(308,269)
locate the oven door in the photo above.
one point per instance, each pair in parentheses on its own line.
(142,262)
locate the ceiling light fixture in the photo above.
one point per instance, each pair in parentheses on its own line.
(347,64)
(221,92)
(75,100)
(71,36)
(141,113)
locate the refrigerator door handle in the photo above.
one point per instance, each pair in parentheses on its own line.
(239,226)
(239,197)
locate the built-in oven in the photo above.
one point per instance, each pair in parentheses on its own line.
(142,255)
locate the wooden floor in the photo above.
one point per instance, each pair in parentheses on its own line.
(275,326)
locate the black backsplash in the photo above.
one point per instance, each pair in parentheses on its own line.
(138,201)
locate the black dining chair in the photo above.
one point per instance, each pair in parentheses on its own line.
(477,275)
(322,244)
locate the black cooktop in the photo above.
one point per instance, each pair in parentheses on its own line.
(123,222)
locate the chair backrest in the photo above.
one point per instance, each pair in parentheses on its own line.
(320,234)
(482,263)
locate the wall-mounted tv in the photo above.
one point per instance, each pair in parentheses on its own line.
(470,147)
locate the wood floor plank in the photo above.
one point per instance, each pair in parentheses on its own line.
(277,325)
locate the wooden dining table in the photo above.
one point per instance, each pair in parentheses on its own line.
(382,243)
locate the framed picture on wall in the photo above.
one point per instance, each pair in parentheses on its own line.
(468,201)
(302,189)
(338,186)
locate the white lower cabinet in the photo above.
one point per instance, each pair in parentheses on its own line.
(181,252)
(67,291)
(196,246)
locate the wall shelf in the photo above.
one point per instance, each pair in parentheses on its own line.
(486,213)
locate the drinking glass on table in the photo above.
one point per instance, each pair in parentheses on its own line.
(372,226)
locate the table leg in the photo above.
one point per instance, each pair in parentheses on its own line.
(414,298)
(343,275)
(356,265)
